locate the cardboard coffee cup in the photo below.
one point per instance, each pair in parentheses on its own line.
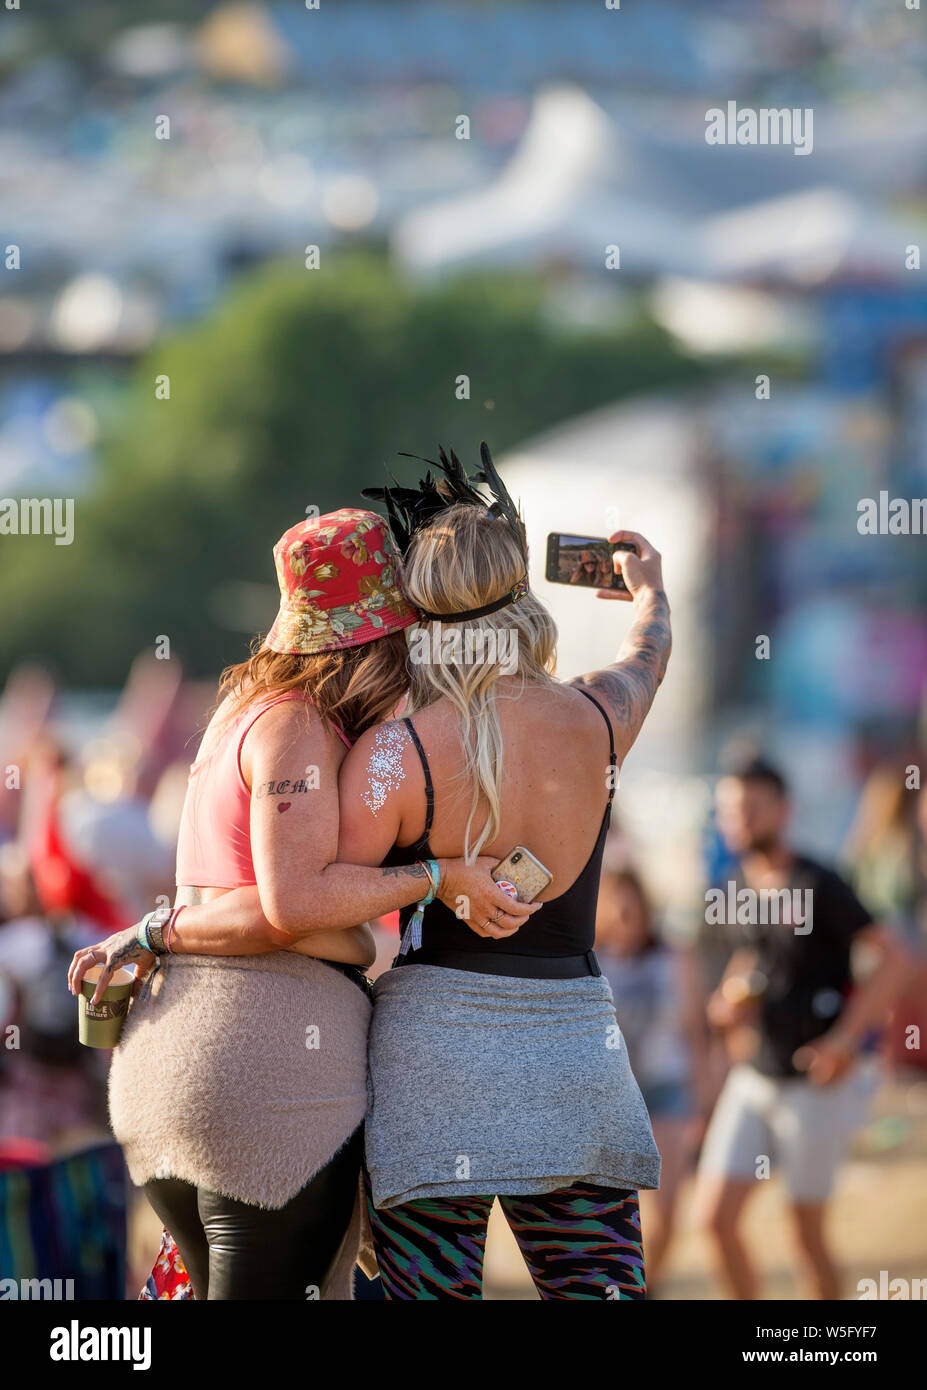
(99,1025)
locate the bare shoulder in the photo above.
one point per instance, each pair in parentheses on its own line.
(619,691)
(436,726)
(559,705)
(287,727)
(573,711)
(297,715)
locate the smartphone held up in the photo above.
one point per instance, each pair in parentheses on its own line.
(585,561)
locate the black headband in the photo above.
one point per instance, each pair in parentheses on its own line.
(512,596)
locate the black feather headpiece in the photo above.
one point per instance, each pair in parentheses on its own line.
(409,509)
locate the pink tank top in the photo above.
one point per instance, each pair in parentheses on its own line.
(214,843)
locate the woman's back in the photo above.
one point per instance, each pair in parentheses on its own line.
(555,779)
(494,757)
(555,797)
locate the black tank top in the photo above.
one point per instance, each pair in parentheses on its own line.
(564,926)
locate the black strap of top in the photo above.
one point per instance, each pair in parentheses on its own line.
(429,785)
(612,756)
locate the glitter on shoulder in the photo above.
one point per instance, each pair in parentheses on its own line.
(384,768)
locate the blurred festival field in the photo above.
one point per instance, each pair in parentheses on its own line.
(370,229)
(878,1219)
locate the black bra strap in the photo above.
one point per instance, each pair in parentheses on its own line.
(612,757)
(429,785)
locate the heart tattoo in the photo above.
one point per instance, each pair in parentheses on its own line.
(284,805)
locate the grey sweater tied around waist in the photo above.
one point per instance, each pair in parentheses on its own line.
(487,1084)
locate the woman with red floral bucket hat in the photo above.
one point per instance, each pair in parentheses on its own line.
(238,1088)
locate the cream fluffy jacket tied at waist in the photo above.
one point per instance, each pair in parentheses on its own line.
(245,1075)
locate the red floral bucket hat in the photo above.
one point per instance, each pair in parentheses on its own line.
(338,584)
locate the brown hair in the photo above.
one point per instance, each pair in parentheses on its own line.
(354,687)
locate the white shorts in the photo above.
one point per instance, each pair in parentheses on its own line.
(803,1129)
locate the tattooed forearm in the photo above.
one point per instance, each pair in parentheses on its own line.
(630,685)
(647,645)
(398,870)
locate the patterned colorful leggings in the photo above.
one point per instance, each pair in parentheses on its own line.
(579,1242)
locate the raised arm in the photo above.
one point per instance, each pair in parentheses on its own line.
(629,685)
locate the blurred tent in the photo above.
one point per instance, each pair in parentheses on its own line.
(707,317)
(758,262)
(560,197)
(807,238)
(149,52)
(636,466)
(615,468)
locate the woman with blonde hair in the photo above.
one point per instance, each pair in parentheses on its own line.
(238,1088)
(497,1068)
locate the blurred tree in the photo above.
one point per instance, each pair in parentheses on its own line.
(297,390)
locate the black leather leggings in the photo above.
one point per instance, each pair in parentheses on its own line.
(236,1251)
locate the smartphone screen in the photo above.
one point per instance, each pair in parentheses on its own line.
(582,560)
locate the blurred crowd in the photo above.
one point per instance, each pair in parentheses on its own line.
(88,818)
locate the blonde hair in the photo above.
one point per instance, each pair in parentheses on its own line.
(354,687)
(462,560)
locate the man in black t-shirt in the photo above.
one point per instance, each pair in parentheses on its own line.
(795,1022)
(805,976)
